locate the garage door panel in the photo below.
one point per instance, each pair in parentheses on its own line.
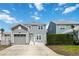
(19,39)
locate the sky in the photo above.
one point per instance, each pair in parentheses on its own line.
(14,13)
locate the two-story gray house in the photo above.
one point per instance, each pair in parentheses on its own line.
(22,34)
(60,27)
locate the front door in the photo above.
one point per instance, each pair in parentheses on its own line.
(38,39)
(32,39)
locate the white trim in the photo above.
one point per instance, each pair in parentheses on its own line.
(22,25)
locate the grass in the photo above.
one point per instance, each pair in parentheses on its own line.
(3,47)
(67,50)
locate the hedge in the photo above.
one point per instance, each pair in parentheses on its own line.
(59,39)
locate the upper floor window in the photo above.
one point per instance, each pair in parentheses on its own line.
(40,27)
(19,27)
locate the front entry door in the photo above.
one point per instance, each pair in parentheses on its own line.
(32,41)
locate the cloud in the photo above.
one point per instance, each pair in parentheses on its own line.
(13,9)
(21,21)
(7,18)
(36,13)
(35,17)
(39,6)
(30,6)
(70,9)
(61,4)
(6,11)
(56,9)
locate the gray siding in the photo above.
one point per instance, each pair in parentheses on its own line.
(52,28)
(27,30)
(36,31)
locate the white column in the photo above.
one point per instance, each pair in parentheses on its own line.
(27,38)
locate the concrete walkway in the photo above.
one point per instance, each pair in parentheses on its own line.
(28,50)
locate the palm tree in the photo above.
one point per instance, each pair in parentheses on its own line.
(2,31)
(72,27)
(74,34)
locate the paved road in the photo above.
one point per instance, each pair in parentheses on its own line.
(28,50)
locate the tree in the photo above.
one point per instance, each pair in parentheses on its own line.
(2,31)
(76,41)
(72,27)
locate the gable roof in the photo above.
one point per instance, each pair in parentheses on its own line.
(18,25)
(35,23)
(65,22)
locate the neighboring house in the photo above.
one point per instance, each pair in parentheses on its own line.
(6,38)
(23,34)
(60,26)
(0,35)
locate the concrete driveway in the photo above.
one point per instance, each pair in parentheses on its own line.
(28,50)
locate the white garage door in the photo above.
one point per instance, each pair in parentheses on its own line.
(19,39)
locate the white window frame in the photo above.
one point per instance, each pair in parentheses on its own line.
(19,27)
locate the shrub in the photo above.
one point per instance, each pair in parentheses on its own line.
(76,42)
(59,39)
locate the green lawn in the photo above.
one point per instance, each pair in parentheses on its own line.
(68,50)
(3,47)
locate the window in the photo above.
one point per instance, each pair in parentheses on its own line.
(19,27)
(7,34)
(38,37)
(62,27)
(20,35)
(40,27)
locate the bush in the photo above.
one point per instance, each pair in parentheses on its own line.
(76,42)
(59,39)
